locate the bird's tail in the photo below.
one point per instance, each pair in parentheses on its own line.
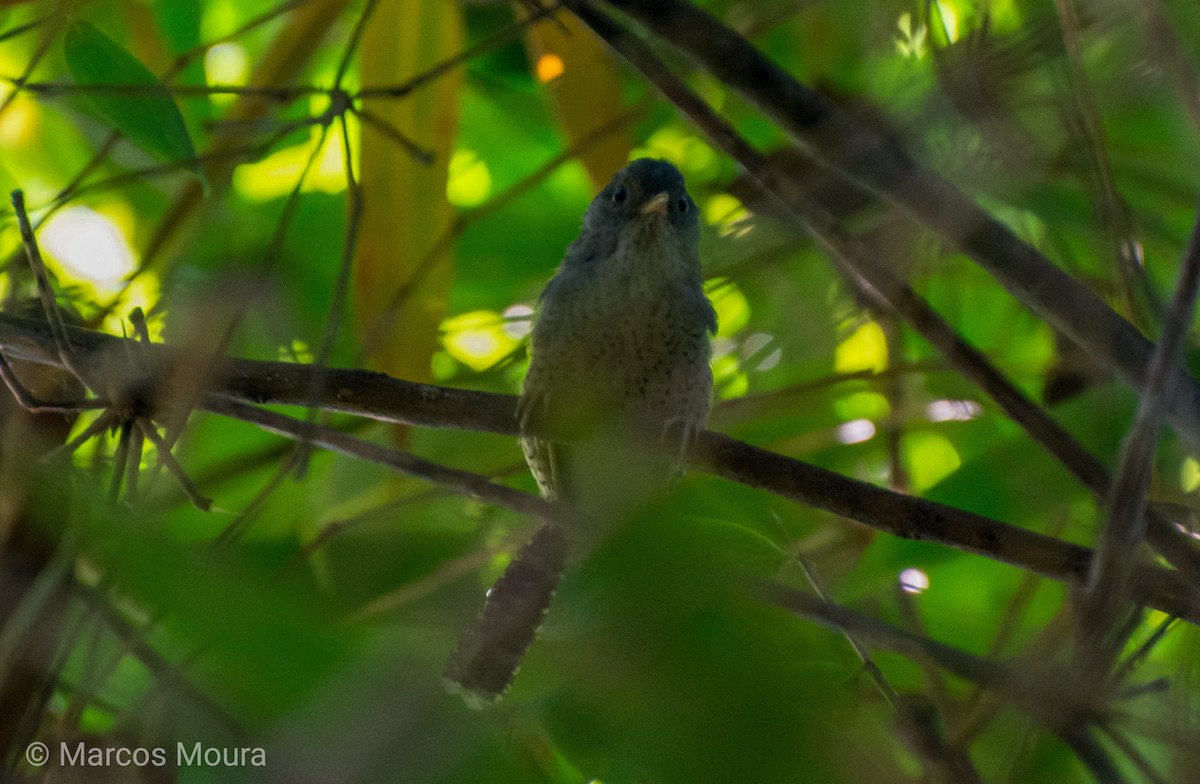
(489,653)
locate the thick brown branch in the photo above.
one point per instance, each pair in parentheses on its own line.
(387,399)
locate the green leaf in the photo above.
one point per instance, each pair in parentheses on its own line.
(149,118)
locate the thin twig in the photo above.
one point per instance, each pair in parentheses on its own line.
(419,153)
(165,673)
(337,301)
(484,45)
(241,521)
(35,405)
(202,49)
(1093,755)
(1132,660)
(1131,751)
(1108,580)
(198,499)
(989,673)
(33,255)
(860,650)
(54,26)
(354,41)
(934,682)
(461,481)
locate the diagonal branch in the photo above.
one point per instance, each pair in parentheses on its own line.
(1125,527)
(463,482)
(883,165)
(874,278)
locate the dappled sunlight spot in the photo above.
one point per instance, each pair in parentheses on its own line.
(913,580)
(88,245)
(477,339)
(142,292)
(19,122)
(770,361)
(910,38)
(722,209)
(220,18)
(276,175)
(865,349)
(470,180)
(1183,529)
(948,12)
(729,379)
(855,431)
(686,150)
(272,177)
(758,346)
(733,309)
(329,172)
(929,459)
(549,67)
(723,346)
(518,320)
(297,351)
(1189,475)
(862,405)
(226,65)
(953,410)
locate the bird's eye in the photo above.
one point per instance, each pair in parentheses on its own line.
(682,204)
(619,195)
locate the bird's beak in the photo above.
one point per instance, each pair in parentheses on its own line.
(656,205)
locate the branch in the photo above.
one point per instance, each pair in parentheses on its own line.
(380,397)
(1050,694)
(462,482)
(1123,530)
(878,282)
(881,164)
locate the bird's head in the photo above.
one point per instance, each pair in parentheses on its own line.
(646,197)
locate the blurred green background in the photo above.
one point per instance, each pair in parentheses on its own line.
(318,629)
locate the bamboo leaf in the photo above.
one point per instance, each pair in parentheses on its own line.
(403,268)
(148,116)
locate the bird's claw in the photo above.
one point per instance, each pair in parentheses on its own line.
(680,432)
(531,408)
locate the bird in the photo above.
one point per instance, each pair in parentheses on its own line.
(619,373)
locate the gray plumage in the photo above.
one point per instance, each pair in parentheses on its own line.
(621,345)
(619,367)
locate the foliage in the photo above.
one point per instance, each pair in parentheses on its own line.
(297,182)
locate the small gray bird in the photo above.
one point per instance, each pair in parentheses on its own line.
(619,370)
